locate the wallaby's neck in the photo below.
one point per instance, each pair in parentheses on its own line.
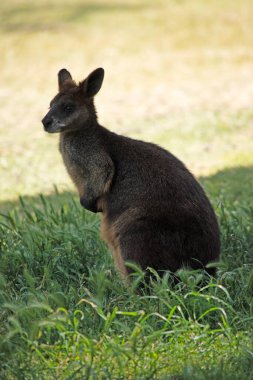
(90,133)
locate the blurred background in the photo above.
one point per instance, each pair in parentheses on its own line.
(177,73)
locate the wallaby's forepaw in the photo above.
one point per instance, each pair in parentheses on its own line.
(89,204)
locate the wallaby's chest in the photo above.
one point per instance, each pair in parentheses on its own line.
(69,150)
(74,161)
(71,157)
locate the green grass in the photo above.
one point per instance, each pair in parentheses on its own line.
(66,313)
(178,73)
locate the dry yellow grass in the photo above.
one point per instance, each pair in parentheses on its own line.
(177,72)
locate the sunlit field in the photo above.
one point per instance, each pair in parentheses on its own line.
(177,73)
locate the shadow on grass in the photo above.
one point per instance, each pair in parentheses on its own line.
(37,16)
(230,186)
(56,198)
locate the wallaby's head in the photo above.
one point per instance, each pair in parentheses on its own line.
(72,108)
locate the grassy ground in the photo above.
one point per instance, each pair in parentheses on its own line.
(177,73)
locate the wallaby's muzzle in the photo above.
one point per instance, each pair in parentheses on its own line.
(50,124)
(47,121)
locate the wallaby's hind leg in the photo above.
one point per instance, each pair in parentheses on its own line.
(147,249)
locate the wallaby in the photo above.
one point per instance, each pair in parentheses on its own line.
(154,212)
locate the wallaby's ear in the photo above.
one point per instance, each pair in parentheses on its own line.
(63,75)
(92,84)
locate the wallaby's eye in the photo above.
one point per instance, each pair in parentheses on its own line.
(68,107)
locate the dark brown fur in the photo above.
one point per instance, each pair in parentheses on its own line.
(154,212)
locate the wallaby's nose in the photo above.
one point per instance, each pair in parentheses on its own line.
(47,122)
